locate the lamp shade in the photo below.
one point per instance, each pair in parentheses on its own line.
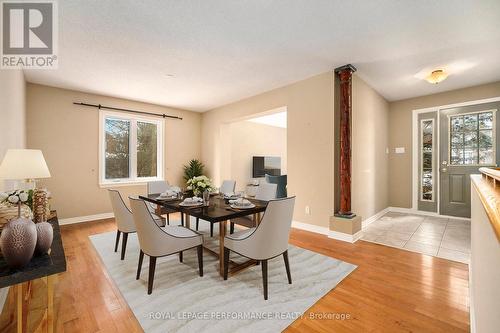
(24,164)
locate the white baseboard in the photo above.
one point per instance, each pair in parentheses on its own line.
(373,218)
(88,218)
(422,212)
(345,237)
(310,227)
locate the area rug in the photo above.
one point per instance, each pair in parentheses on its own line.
(182,301)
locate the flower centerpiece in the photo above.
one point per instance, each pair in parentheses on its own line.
(199,184)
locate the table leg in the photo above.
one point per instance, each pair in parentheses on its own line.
(187,221)
(50,303)
(19,290)
(222,234)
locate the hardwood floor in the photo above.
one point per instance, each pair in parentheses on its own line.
(392,290)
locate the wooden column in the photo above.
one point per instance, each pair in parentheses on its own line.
(345,76)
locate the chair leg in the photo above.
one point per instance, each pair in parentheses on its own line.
(226,262)
(139,265)
(231,228)
(180,256)
(287,266)
(124,244)
(197,223)
(200,259)
(152,266)
(212,229)
(118,232)
(264,277)
(168,219)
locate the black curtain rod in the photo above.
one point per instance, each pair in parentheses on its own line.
(99,106)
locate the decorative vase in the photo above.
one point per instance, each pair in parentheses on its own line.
(18,241)
(45,235)
(40,205)
(9,212)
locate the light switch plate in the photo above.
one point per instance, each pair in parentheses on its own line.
(399,150)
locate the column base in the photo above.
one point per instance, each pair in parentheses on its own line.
(345,228)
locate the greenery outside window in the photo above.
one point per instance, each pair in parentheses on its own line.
(130,149)
(472,138)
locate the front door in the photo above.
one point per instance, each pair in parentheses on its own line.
(467,142)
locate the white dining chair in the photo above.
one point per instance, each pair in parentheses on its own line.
(124,220)
(228,186)
(159,242)
(265,192)
(266,241)
(157,187)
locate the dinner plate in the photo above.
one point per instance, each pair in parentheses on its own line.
(194,204)
(242,207)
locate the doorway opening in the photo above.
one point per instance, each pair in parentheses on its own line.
(253,147)
(450,143)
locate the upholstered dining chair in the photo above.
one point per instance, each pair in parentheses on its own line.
(228,186)
(158,186)
(159,242)
(124,220)
(265,192)
(266,241)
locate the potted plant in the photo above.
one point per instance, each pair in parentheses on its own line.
(193,169)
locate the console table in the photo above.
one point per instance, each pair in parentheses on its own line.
(44,266)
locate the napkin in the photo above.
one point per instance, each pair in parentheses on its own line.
(242,202)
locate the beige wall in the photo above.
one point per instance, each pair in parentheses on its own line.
(370,138)
(12,113)
(400,135)
(68,136)
(309,139)
(251,139)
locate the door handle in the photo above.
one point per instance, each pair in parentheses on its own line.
(444,167)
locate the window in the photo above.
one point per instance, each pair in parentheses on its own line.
(131,148)
(472,138)
(427,159)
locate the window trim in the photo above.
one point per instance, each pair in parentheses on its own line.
(493,138)
(433,152)
(133,179)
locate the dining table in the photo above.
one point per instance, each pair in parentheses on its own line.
(217,211)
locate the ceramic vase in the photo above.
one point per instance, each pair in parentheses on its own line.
(10,212)
(40,204)
(18,241)
(45,235)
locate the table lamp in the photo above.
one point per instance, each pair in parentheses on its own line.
(24,164)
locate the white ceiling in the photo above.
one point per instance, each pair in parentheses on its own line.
(275,119)
(222,51)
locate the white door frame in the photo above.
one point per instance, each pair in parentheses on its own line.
(416,150)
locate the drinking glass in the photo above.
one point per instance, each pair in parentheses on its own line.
(206,197)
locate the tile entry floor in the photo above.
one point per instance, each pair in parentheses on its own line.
(436,236)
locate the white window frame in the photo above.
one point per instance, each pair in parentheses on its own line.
(494,138)
(133,179)
(433,152)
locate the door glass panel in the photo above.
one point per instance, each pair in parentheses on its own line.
(471,139)
(427,157)
(470,122)
(486,120)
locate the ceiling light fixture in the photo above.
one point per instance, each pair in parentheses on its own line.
(436,76)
